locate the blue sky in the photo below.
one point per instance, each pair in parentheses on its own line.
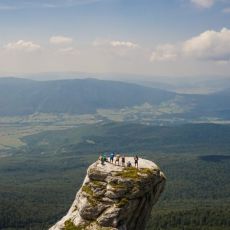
(149,37)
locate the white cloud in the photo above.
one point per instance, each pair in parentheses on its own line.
(117,47)
(165,52)
(22,45)
(115,43)
(126,44)
(60,40)
(203,3)
(212,45)
(209,45)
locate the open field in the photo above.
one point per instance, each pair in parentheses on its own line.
(13,129)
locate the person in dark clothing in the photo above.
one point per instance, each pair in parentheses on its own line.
(123,161)
(101,158)
(104,157)
(111,157)
(136,161)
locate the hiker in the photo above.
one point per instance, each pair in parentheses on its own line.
(101,158)
(123,161)
(104,157)
(136,161)
(111,157)
(117,159)
(129,164)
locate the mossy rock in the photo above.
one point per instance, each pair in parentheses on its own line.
(117,185)
(122,202)
(134,173)
(98,184)
(97,175)
(69,225)
(87,189)
(146,171)
(129,173)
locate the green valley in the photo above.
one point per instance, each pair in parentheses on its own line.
(39,180)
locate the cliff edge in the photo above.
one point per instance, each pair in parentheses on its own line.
(114,197)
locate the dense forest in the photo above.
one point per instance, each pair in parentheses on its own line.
(39,181)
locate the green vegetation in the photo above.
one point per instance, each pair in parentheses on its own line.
(39,181)
(134,173)
(146,171)
(130,172)
(117,185)
(87,190)
(92,200)
(69,225)
(198,218)
(98,184)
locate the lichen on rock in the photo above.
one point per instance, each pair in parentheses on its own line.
(115,198)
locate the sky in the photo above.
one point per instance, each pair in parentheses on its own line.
(143,37)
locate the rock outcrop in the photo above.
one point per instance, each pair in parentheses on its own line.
(115,198)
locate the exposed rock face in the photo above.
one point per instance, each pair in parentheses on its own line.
(114,197)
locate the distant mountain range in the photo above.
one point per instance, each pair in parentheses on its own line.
(82,96)
(22,97)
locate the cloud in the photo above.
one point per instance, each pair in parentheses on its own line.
(165,52)
(226,10)
(115,44)
(126,44)
(209,45)
(203,3)
(22,45)
(212,45)
(60,40)
(116,47)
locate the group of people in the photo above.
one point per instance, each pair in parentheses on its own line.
(112,158)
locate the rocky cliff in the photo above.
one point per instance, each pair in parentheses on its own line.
(115,198)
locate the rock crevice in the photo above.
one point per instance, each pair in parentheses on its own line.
(114,197)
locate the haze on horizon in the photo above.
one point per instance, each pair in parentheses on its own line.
(181,38)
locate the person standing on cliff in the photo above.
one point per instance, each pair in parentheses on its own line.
(111,157)
(117,161)
(136,159)
(123,161)
(101,158)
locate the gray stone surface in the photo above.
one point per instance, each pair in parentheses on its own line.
(114,197)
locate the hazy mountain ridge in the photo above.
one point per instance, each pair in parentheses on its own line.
(87,96)
(21,97)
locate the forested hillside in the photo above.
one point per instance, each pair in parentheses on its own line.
(23,97)
(39,181)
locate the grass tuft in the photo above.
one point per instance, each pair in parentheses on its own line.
(69,225)
(87,190)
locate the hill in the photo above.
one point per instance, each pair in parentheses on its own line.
(79,96)
(129,101)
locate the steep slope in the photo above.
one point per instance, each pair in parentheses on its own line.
(22,97)
(114,197)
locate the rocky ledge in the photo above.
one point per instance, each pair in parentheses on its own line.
(115,198)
